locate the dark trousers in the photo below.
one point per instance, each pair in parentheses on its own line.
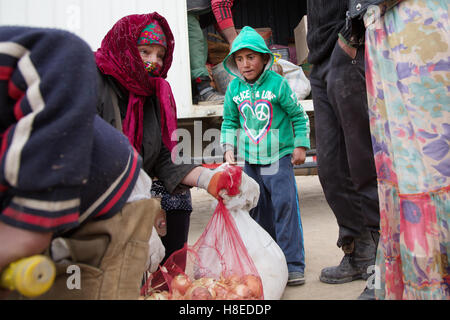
(344,148)
(278,210)
(177,231)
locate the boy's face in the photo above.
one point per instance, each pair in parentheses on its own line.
(153,53)
(250,63)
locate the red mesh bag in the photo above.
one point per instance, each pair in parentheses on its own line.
(216,267)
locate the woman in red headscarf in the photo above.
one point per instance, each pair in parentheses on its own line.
(140,90)
(134,59)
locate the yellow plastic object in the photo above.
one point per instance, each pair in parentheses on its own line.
(31,276)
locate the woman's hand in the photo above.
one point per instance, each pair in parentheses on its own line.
(298,156)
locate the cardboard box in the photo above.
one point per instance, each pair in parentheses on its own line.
(300,41)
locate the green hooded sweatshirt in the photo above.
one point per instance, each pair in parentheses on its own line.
(269,117)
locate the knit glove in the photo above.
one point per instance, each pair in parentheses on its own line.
(208,180)
(248,195)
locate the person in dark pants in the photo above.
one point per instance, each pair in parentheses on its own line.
(344,150)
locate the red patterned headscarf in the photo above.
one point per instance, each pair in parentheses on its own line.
(152,34)
(119,57)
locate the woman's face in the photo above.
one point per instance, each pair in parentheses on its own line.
(153,53)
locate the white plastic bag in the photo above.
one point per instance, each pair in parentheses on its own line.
(156,253)
(267,256)
(296,78)
(142,188)
(265,253)
(157,250)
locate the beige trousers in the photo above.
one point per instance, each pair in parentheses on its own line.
(111,255)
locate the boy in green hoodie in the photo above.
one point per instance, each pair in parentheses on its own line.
(273,136)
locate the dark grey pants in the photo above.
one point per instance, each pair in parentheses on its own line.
(178,222)
(344,148)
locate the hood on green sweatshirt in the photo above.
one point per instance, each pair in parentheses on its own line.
(248,38)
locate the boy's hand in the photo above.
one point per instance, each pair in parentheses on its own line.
(298,156)
(229,157)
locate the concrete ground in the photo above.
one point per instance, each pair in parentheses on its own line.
(320,235)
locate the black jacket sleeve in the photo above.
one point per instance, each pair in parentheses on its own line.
(157,161)
(169,173)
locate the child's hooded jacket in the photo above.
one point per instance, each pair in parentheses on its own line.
(270,117)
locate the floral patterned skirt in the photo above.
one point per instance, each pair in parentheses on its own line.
(408,84)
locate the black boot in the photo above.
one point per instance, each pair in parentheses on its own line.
(367,294)
(359,255)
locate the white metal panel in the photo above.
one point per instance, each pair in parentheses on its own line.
(92,19)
